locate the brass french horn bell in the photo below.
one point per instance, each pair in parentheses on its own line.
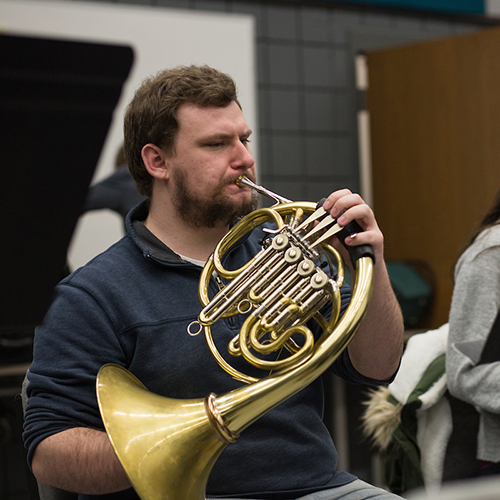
(168,447)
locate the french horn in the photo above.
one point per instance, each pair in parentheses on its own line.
(168,447)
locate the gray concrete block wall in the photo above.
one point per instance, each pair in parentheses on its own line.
(305,75)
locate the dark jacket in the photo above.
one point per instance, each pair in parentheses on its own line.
(131,306)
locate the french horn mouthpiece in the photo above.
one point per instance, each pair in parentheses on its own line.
(243,180)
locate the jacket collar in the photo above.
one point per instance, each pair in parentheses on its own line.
(148,243)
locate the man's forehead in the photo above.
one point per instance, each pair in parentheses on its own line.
(206,118)
(191,109)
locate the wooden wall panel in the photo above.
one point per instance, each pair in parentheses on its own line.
(435,133)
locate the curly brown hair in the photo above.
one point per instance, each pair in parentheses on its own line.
(151,115)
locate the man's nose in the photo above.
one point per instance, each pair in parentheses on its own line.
(243,157)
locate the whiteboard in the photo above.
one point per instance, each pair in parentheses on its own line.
(161,38)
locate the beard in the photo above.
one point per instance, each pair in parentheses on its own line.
(217,210)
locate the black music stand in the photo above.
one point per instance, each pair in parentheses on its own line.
(57,99)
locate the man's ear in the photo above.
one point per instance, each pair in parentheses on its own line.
(154,161)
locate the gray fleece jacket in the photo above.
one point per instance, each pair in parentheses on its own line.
(475,304)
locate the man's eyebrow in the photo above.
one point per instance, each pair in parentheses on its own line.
(220,136)
(215,137)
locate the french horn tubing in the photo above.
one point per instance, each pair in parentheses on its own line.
(168,446)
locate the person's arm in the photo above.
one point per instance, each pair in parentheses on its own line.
(475,304)
(63,430)
(94,470)
(376,349)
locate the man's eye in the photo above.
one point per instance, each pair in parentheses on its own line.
(245,141)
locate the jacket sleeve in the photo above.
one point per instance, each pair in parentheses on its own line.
(475,304)
(70,346)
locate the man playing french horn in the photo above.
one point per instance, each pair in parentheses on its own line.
(186,144)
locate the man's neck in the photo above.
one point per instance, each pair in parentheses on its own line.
(181,237)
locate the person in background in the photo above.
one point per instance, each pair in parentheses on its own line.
(186,143)
(474,308)
(116,192)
